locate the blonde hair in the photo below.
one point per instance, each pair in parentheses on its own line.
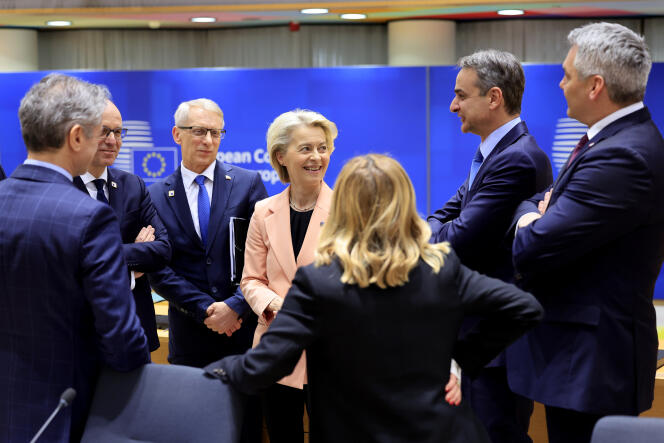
(373,228)
(279,135)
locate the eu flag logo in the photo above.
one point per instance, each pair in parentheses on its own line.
(153,164)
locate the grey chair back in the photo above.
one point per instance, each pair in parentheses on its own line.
(626,429)
(163,403)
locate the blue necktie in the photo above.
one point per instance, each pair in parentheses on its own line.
(203,208)
(475,166)
(99,183)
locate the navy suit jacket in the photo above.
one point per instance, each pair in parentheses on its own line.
(475,220)
(133,207)
(389,349)
(198,276)
(66,304)
(592,261)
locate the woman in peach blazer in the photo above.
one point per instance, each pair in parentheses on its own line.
(283,235)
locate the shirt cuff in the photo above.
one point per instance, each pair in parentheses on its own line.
(455,369)
(133,280)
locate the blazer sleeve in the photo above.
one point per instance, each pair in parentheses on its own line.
(181,293)
(154,255)
(280,347)
(602,199)
(106,286)
(487,216)
(254,282)
(506,313)
(449,212)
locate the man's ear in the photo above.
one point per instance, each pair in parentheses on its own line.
(176,135)
(495,95)
(75,138)
(597,85)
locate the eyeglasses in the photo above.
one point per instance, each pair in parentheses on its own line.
(118,133)
(199,131)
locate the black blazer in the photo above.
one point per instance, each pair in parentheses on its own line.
(133,207)
(378,359)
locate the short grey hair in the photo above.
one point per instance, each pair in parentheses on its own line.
(279,135)
(616,53)
(181,115)
(53,106)
(499,69)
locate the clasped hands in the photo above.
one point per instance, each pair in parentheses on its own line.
(222,319)
(145,235)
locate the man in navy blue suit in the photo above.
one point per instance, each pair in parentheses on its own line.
(590,249)
(507,167)
(64,289)
(145,241)
(196,204)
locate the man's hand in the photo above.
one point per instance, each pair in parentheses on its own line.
(527,219)
(273,308)
(453,390)
(146,234)
(544,204)
(222,319)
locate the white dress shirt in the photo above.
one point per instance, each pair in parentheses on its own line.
(191,189)
(88,180)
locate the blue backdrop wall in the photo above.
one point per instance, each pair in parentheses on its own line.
(400,111)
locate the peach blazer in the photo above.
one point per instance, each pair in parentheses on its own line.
(269,260)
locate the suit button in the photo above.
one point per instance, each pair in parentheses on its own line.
(214,289)
(208,261)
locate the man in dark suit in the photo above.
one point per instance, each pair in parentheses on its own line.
(508,166)
(66,304)
(145,241)
(196,204)
(592,248)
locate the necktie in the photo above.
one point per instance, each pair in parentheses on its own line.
(99,183)
(475,166)
(203,208)
(577,148)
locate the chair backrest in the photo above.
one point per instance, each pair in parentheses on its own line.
(625,429)
(163,403)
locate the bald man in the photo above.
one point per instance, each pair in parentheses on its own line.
(145,241)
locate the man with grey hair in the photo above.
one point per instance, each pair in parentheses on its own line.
(590,248)
(508,166)
(196,204)
(66,304)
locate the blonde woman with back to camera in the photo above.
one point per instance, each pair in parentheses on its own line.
(378,314)
(283,235)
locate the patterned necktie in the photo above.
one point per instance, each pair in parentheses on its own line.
(475,166)
(578,147)
(203,208)
(99,183)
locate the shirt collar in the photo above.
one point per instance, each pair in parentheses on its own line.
(87,177)
(492,140)
(56,168)
(606,121)
(188,176)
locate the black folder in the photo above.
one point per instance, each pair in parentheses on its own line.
(238,237)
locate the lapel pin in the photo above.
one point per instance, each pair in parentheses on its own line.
(171,193)
(113,184)
(228,177)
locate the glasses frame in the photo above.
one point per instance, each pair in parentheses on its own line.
(222,132)
(118,133)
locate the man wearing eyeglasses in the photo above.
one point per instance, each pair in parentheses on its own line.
(144,237)
(196,203)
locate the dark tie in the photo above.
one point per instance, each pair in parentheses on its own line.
(203,208)
(578,147)
(99,183)
(475,166)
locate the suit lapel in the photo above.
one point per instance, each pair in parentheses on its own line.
(221,191)
(318,217)
(277,226)
(508,140)
(115,196)
(80,185)
(177,199)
